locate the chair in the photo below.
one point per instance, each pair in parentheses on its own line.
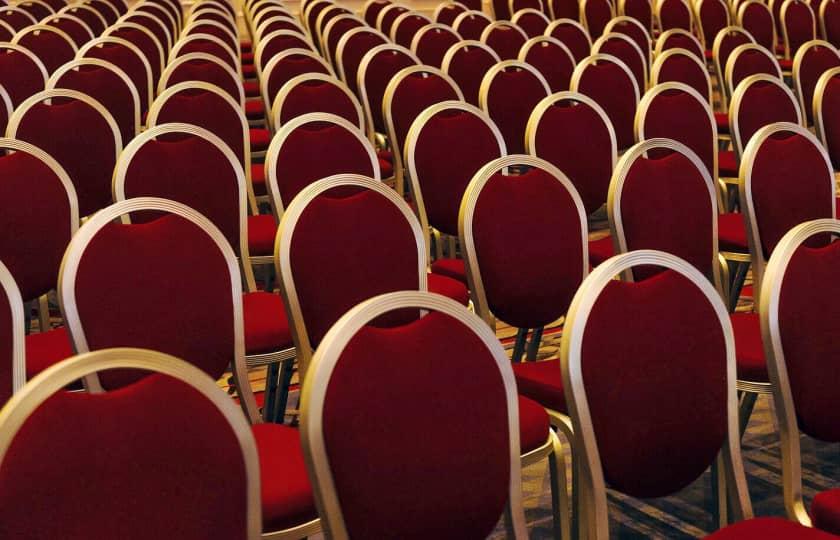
(37,8)
(797,312)
(223,31)
(158,280)
(168,447)
(334,31)
(154,25)
(712,17)
(633,29)
(315,92)
(92,19)
(758,101)
(563,10)
(207,68)
(287,65)
(406,27)
(681,66)
(51,45)
(374,506)
(552,59)
(812,60)
(624,49)
(701,386)
(826,104)
(677,38)
(144,40)
(437,182)
(275,23)
(17,18)
(466,62)
(638,10)
(171,10)
(726,41)
(674,14)
(371,10)
(161,13)
(385,19)
(324,18)
(310,11)
(105,9)
(531,21)
(504,38)
(829,15)
(571,34)
(13,374)
(88,160)
(799,25)
(431,42)
(470,24)
(206,43)
(127,57)
(757,20)
(352,47)
(594,16)
(410,92)
(745,61)
(509,92)
(74,27)
(107,84)
(22,74)
(446,12)
(377,68)
(612,85)
(278,42)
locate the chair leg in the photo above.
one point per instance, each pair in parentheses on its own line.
(739,275)
(285,380)
(720,498)
(534,344)
(519,344)
(270,392)
(746,403)
(559,492)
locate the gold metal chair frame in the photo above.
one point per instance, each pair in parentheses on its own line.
(70,17)
(819,95)
(149,16)
(797,68)
(568,22)
(720,70)
(402,17)
(742,9)
(663,38)
(704,39)
(362,86)
(174,64)
(432,27)
(381,16)
(342,43)
(783,15)
(265,74)
(615,21)
(459,20)
(664,56)
(328,29)
(291,84)
(18,367)
(38,28)
(172,25)
(596,50)
(143,30)
(501,67)
(464,44)
(111,40)
(13,9)
(582,11)
(541,41)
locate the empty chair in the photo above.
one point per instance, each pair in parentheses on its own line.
(446,12)
(758,101)
(39,9)
(310,11)
(799,25)
(352,47)
(466,63)
(827,113)
(105,9)
(16,18)
(385,19)
(594,15)
(272,24)
(679,65)
(153,25)
(756,18)
(315,92)
(287,65)
(504,38)
(639,10)
(628,52)
(92,19)
(470,24)
(552,59)
(677,38)
(205,68)
(51,45)
(78,31)
(726,41)
(431,42)
(207,44)
(13,372)
(829,18)
(277,42)
(571,34)
(324,18)
(531,21)
(406,27)
(812,60)
(160,12)
(509,92)
(634,30)
(674,14)
(376,69)
(563,9)
(127,57)
(371,10)
(747,60)
(22,74)
(144,40)
(712,17)
(334,31)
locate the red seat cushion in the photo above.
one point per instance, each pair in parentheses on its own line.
(254,109)
(386,169)
(448,287)
(786,65)
(453,268)
(260,138)
(249,72)
(284,485)
(45,349)
(727,164)
(266,324)
(722,123)
(825,511)
(732,233)
(749,349)
(252,89)
(258,179)
(600,250)
(247,58)
(542,382)
(245,45)
(708,53)
(261,232)
(533,425)
(768,528)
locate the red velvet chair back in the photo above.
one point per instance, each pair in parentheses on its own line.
(747,60)
(679,65)
(571,34)
(573,133)
(447,12)
(756,18)
(17,18)
(504,38)
(635,30)
(533,22)
(431,43)
(564,10)
(107,84)
(612,85)
(470,24)
(385,19)
(76,29)
(143,40)
(335,30)
(406,27)
(506,222)
(371,9)
(12,323)
(316,92)
(273,24)
(161,13)
(712,16)
(829,16)
(351,48)
(677,38)
(467,62)
(22,74)
(185,435)
(276,43)
(509,92)
(759,101)
(295,158)
(640,10)
(39,9)
(552,59)
(206,68)
(88,160)
(428,488)
(625,49)
(213,28)
(595,14)
(287,65)
(438,183)
(324,19)
(799,25)
(51,45)
(106,9)
(311,11)
(154,25)
(206,44)
(812,60)
(376,70)
(673,14)
(726,41)
(6,31)
(827,113)
(128,58)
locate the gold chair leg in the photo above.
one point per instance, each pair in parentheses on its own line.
(559,491)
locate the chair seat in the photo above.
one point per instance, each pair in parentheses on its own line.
(727,164)
(825,511)
(252,89)
(254,109)
(266,324)
(249,72)
(448,287)
(709,54)
(45,349)
(386,168)
(260,139)
(749,348)
(452,268)
(768,528)
(262,229)
(600,250)
(786,65)
(247,57)
(533,425)
(245,45)
(286,492)
(542,382)
(258,179)
(722,123)
(732,233)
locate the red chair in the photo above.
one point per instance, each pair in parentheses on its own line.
(681,66)
(431,42)
(315,92)
(13,374)
(674,14)
(324,19)
(552,59)
(447,12)
(677,38)
(144,40)
(22,74)
(612,85)
(287,65)
(504,38)
(107,84)
(377,68)
(92,19)
(466,63)
(206,68)
(385,19)
(756,19)
(173,10)
(351,48)
(829,15)
(624,49)
(371,10)
(571,34)
(726,41)
(799,25)
(531,21)
(278,42)
(504,11)
(51,45)
(310,11)
(798,310)
(639,10)
(206,43)
(162,14)
(166,445)
(274,23)
(470,24)
(119,5)
(594,15)
(812,60)
(827,112)
(88,160)
(712,17)
(127,57)
(438,183)
(634,30)
(406,26)
(374,506)
(695,369)
(78,31)
(334,31)
(39,9)
(105,9)
(157,279)
(17,18)
(758,101)
(222,31)
(563,10)
(747,60)
(154,25)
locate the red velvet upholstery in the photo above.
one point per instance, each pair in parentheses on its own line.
(433,44)
(727,164)
(6,33)
(732,233)
(625,52)
(831,119)
(532,24)
(749,347)
(816,61)
(50,47)
(8,332)
(372,11)
(88,160)
(729,43)
(831,20)
(336,266)
(713,16)
(45,349)
(105,9)
(354,50)
(553,63)
(600,250)
(763,528)
(76,30)
(641,11)
(763,104)
(412,96)
(681,41)
(262,230)
(573,38)
(158,30)
(337,31)
(15,18)
(36,10)
(467,68)
(407,28)
(145,43)
(210,47)
(533,425)
(506,41)
(674,14)
(201,27)
(597,13)
(206,71)
(511,97)
(169,7)
(388,19)
(448,13)
(682,68)
(452,268)
(128,61)
(160,12)
(316,95)
(321,25)
(266,323)
(575,139)
(109,89)
(472,26)
(781,204)
(125,483)
(565,9)
(288,68)
(449,287)
(278,24)
(752,62)
(443,180)
(519,220)
(302,158)
(541,381)
(382,67)
(671,394)
(277,44)
(608,84)
(799,22)
(825,511)
(635,33)
(758,21)
(391,483)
